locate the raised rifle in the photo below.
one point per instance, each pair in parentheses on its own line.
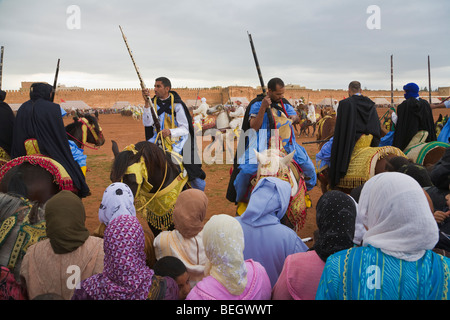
(1,67)
(261,81)
(52,97)
(154,116)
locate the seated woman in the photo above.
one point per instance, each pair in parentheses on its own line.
(395,261)
(228,275)
(118,200)
(335,218)
(125,274)
(185,241)
(47,267)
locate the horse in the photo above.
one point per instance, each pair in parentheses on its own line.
(304,123)
(379,161)
(22,224)
(40,177)
(155,176)
(85,129)
(274,162)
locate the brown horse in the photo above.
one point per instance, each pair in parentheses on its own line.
(85,129)
(154,176)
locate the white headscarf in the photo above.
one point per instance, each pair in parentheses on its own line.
(117,200)
(397,215)
(223,239)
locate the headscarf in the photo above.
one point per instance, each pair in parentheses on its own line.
(397,215)
(125,275)
(223,239)
(163,288)
(268,202)
(335,217)
(189,212)
(411,90)
(65,222)
(117,200)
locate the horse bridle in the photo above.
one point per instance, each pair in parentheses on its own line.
(85,126)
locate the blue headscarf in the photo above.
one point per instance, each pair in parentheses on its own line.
(411,90)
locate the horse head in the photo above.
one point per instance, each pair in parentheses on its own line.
(142,167)
(85,129)
(215,109)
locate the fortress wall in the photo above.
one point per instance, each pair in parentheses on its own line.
(106,98)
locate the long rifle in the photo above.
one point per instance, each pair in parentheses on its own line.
(429,79)
(55,82)
(1,67)
(392,80)
(154,116)
(258,69)
(261,81)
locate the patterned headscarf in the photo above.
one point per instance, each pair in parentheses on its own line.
(189,212)
(335,218)
(117,200)
(223,239)
(125,275)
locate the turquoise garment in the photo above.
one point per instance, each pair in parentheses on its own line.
(444,135)
(248,163)
(78,154)
(323,157)
(366,273)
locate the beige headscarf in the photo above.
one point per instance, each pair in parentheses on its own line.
(223,239)
(189,212)
(65,218)
(397,215)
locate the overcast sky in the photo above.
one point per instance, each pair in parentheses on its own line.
(203,43)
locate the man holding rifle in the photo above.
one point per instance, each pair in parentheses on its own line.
(176,127)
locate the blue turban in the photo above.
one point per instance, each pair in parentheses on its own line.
(411,90)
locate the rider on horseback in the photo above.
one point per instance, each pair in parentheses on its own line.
(356,116)
(176,128)
(40,127)
(256,119)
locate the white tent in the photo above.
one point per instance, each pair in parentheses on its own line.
(15,106)
(74,105)
(381,101)
(120,105)
(326,102)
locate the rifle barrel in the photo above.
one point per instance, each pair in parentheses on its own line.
(154,116)
(315,141)
(258,69)
(55,81)
(1,67)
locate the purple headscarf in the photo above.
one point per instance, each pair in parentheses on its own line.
(125,275)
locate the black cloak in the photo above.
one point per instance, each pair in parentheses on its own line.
(413,115)
(6,123)
(194,168)
(231,191)
(356,116)
(41,119)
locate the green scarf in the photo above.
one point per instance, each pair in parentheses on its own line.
(65,218)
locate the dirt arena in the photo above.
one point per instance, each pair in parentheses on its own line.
(125,130)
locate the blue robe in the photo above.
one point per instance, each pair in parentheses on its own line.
(248,164)
(267,240)
(366,273)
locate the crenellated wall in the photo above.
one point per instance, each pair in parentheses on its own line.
(106,98)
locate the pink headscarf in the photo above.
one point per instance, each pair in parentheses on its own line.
(125,275)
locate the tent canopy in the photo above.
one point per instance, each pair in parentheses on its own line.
(381,101)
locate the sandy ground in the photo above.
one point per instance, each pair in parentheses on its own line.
(125,130)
